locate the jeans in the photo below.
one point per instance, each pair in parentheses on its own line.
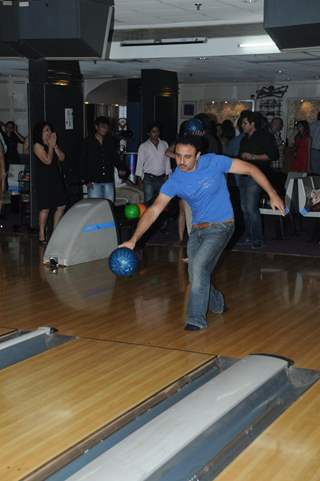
(250,200)
(315,161)
(205,246)
(101,190)
(151,187)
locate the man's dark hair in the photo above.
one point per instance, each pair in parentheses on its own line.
(279,119)
(194,140)
(102,120)
(255,117)
(152,125)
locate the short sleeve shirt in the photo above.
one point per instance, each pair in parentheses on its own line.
(204,189)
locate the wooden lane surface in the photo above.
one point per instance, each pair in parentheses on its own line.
(52,401)
(4,331)
(273,304)
(289,450)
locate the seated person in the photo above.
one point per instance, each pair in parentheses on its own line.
(126,190)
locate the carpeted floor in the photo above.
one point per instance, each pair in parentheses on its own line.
(295,246)
(301,242)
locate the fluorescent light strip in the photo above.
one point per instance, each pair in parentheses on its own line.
(257,45)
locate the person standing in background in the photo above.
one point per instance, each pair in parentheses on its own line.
(228,134)
(315,145)
(153,165)
(302,144)
(211,141)
(12,138)
(49,182)
(257,147)
(276,127)
(98,159)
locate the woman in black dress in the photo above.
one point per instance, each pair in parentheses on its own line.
(49,182)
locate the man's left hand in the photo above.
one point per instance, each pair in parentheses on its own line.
(277,203)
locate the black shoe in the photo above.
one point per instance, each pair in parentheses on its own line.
(257,245)
(191,327)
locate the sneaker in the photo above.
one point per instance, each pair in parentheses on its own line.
(257,245)
(243,242)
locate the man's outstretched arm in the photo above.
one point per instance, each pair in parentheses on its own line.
(244,168)
(148,218)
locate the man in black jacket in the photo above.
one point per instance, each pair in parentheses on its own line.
(257,147)
(99,157)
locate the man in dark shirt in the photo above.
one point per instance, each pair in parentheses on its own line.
(259,148)
(12,138)
(99,157)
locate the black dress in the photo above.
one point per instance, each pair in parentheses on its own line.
(51,192)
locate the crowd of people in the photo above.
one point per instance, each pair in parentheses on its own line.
(252,140)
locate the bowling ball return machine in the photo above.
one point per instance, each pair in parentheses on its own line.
(87,232)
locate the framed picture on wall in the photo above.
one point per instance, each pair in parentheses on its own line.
(188,109)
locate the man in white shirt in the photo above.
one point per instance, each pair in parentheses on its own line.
(153,166)
(315,145)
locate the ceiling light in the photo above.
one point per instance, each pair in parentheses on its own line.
(203,58)
(264,44)
(62,82)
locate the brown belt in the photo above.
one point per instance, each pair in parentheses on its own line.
(205,225)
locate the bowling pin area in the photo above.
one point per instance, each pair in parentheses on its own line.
(99,380)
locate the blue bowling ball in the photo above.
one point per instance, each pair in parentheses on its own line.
(123,262)
(192,127)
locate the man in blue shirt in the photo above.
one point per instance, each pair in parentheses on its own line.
(200,180)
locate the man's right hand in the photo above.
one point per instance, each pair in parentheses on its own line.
(128,244)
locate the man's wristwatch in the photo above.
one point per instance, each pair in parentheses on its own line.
(253,157)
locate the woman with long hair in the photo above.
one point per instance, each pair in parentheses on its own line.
(50,188)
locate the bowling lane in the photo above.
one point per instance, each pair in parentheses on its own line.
(273,302)
(289,450)
(51,402)
(4,331)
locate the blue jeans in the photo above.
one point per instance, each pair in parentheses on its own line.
(250,199)
(101,190)
(151,187)
(205,246)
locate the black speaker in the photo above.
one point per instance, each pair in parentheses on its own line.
(293,23)
(58,28)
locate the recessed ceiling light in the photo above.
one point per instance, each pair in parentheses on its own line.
(249,1)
